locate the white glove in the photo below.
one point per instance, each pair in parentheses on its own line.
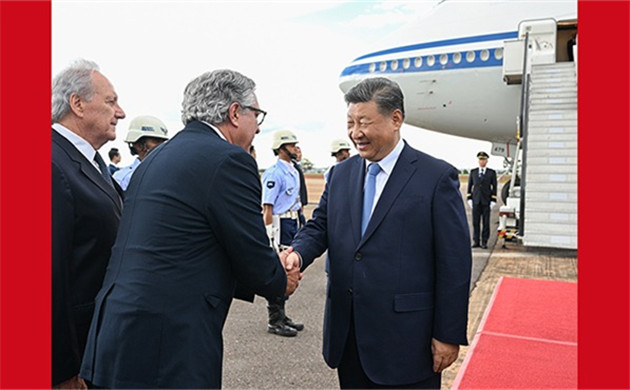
(271,233)
(470,203)
(491,205)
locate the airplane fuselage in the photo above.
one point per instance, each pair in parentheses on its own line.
(449,65)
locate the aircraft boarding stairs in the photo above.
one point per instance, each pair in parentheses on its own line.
(550,210)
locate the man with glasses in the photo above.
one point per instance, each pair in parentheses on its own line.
(191,232)
(281,207)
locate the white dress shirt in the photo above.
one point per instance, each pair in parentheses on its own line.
(81,144)
(215,130)
(387,164)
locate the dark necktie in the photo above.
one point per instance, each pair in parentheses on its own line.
(481,173)
(368,196)
(103,168)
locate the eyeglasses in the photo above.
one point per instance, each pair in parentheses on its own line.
(258,112)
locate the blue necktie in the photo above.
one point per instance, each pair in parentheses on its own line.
(368,195)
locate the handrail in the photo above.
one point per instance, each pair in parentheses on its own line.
(524,121)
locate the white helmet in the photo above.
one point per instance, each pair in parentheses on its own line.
(282,137)
(146,126)
(339,144)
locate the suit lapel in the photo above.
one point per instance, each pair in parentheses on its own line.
(356,198)
(88,169)
(475,176)
(403,170)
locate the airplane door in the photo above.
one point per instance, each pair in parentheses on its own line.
(542,38)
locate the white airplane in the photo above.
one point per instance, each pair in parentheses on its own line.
(449,65)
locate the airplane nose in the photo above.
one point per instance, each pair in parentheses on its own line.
(350,75)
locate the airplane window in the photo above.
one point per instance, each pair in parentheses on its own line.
(470,56)
(485,54)
(418,62)
(406,63)
(372,67)
(443,59)
(394,64)
(383,66)
(498,53)
(430,60)
(457,58)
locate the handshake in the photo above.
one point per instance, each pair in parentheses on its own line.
(291,262)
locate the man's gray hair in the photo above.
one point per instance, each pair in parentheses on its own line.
(209,96)
(75,79)
(384,92)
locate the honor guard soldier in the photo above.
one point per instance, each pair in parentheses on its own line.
(340,150)
(145,133)
(281,204)
(482,196)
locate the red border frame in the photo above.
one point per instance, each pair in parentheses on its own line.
(604,212)
(603,194)
(25,194)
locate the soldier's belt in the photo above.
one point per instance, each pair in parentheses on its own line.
(290,214)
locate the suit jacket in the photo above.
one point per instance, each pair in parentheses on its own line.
(407,279)
(482,191)
(85,215)
(191,228)
(303,189)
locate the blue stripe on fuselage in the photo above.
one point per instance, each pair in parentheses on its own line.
(445,42)
(464,63)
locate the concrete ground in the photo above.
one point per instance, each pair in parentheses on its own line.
(255,359)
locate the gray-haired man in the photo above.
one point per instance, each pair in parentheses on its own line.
(192,229)
(86,207)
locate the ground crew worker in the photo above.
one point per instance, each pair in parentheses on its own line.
(281,203)
(340,150)
(145,133)
(482,196)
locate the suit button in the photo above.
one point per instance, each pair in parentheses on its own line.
(358,256)
(350,291)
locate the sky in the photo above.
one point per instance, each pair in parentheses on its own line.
(293,50)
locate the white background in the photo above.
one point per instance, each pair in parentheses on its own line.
(293,50)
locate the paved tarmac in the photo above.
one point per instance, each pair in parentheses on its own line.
(255,359)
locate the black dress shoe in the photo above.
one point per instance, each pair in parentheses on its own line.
(295,325)
(281,330)
(475,245)
(484,246)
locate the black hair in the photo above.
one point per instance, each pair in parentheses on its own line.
(385,93)
(113,152)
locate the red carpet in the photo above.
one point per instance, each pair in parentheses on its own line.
(526,340)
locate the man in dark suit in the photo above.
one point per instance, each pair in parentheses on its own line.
(297,163)
(482,196)
(192,228)
(397,239)
(86,207)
